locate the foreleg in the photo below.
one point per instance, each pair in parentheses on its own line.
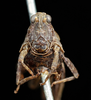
(56,58)
(21,67)
(58,43)
(21,60)
(54,63)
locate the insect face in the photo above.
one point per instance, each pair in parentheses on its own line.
(42,34)
(40,45)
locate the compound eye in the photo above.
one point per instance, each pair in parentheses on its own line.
(48,18)
(34,18)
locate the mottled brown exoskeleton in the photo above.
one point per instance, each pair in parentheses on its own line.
(42,50)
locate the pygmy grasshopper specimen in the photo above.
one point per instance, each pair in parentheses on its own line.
(42,47)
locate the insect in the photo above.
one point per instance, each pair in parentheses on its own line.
(43,51)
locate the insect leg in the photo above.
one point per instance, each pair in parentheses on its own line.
(21,65)
(50,73)
(63,80)
(25,80)
(19,75)
(58,88)
(17,89)
(70,65)
(28,78)
(21,60)
(56,57)
(54,63)
(60,45)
